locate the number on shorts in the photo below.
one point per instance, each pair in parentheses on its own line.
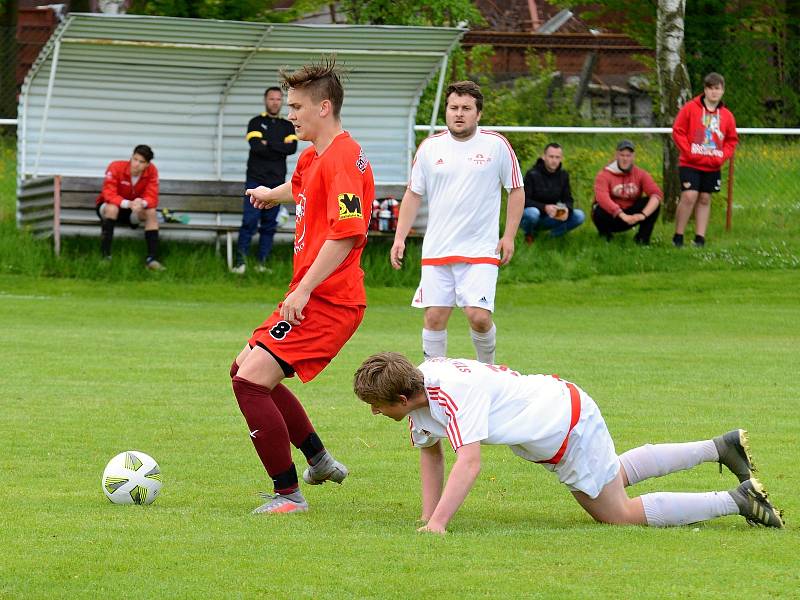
(280,329)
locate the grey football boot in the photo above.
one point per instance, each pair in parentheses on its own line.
(282,503)
(734,452)
(325,469)
(754,505)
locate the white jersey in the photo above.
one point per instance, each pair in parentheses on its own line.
(461,182)
(469,401)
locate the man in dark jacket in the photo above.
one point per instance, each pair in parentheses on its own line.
(548,199)
(271,140)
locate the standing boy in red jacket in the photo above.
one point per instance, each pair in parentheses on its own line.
(705,134)
(130,197)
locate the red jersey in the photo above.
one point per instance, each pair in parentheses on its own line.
(615,190)
(333,193)
(119,186)
(705,138)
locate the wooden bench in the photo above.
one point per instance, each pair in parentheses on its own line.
(65,205)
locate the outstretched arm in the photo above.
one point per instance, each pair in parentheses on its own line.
(431,474)
(459,483)
(264,197)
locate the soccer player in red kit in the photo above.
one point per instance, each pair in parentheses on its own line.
(333,189)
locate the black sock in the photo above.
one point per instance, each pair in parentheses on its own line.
(151,237)
(286,482)
(106,236)
(312,447)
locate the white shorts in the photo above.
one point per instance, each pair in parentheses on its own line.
(457,284)
(133,217)
(590,462)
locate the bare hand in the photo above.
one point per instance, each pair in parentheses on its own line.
(396,254)
(259,197)
(550,209)
(136,205)
(292,307)
(506,250)
(631,219)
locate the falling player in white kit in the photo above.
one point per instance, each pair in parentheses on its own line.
(546,420)
(460,172)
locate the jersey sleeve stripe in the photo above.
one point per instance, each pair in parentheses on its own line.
(253,134)
(515,182)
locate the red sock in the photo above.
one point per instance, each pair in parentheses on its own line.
(268,433)
(294,415)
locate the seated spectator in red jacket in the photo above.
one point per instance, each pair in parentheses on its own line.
(705,134)
(625,196)
(130,197)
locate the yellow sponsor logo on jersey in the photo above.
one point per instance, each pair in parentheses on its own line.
(349,207)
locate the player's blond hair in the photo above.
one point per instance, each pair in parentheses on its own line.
(322,80)
(384,376)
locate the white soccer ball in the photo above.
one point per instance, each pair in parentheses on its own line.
(132,477)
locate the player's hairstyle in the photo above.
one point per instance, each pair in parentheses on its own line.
(386,375)
(713,80)
(146,152)
(465,88)
(273,88)
(555,145)
(322,80)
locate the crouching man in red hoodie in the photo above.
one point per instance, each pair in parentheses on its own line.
(625,197)
(705,134)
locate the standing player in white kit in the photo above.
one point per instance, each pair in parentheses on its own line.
(460,172)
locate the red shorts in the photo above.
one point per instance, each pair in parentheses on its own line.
(310,346)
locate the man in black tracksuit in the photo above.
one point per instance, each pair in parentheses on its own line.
(548,198)
(271,140)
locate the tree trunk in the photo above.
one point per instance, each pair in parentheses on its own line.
(673,83)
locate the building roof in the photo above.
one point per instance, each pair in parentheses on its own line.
(187,88)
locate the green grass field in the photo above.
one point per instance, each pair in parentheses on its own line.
(90,370)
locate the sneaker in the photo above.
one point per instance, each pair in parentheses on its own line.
(154,265)
(677,240)
(261,268)
(239,269)
(327,469)
(699,241)
(734,452)
(529,239)
(280,503)
(754,505)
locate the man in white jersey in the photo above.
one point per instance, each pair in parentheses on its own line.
(460,172)
(546,420)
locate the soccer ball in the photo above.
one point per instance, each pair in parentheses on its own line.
(132,477)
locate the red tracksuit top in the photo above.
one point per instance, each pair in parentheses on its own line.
(705,139)
(118,186)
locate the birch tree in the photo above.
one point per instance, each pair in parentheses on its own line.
(673,82)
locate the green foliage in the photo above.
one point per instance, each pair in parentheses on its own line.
(440,13)
(234,10)
(91,370)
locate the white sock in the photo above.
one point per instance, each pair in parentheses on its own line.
(485,344)
(434,343)
(655,460)
(665,509)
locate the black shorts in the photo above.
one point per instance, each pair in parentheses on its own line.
(123,218)
(701,181)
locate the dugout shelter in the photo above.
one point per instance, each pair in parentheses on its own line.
(187,88)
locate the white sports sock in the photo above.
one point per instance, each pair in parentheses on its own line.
(485,344)
(434,343)
(666,509)
(655,460)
